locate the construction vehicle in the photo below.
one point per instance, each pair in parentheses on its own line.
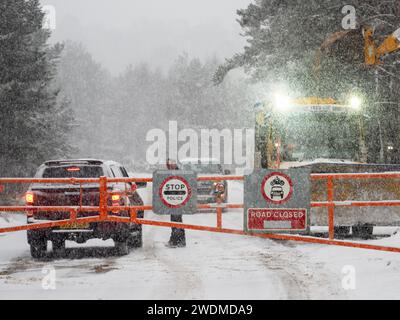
(305,130)
(329,136)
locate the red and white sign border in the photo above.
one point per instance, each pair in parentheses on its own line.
(264,181)
(187,186)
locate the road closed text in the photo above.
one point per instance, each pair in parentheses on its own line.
(279,215)
(277,219)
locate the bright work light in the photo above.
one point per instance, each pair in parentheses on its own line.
(282,102)
(355,102)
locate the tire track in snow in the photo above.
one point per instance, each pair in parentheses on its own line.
(301,278)
(292,269)
(187,284)
(290,276)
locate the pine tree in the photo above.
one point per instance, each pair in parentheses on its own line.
(87,87)
(33,120)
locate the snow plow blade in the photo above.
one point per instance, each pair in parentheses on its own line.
(377,189)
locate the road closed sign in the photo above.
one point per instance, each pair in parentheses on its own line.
(174,192)
(277,219)
(277,201)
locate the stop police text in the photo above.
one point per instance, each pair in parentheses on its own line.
(173,186)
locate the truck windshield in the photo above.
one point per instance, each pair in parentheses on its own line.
(73,172)
(310,136)
(203,168)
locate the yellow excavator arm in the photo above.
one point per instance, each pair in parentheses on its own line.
(373,53)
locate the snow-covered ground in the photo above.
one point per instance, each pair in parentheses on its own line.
(212,266)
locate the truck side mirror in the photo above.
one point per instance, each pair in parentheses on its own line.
(141,185)
(227,172)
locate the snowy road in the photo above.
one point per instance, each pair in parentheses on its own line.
(212,266)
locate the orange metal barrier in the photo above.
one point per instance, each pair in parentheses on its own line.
(103,209)
(331,203)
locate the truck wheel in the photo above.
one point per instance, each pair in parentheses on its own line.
(58,247)
(39,249)
(135,240)
(342,231)
(363,231)
(121,247)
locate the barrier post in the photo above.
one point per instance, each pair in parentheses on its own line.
(133,214)
(103,198)
(219,210)
(331,208)
(73,215)
(219,217)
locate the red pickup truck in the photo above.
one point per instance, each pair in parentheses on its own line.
(125,236)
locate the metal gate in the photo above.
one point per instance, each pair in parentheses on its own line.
(105,212)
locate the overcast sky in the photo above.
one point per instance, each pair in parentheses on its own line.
(122,32)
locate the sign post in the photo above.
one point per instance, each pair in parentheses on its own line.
(174,192)
(277,201)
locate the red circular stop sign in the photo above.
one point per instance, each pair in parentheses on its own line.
(175,192)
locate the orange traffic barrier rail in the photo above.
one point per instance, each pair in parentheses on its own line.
(103,210)
(331,203)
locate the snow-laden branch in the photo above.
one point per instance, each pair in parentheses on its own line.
(6,36)
(387,72)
